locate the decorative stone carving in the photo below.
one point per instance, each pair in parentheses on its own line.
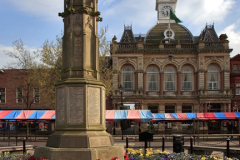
(89,22)
(78,21)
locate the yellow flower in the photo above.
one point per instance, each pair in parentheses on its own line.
(158,150)
(164,152)
(141,155)
(229,158)
(203,158)
(150,149)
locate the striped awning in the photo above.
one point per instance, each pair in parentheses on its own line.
(135,115)
(27,114)
(195,116)
(118,115)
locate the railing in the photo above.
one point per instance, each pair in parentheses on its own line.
(166,46)
(154,46)
(189,46)
(213,44)
(127,45)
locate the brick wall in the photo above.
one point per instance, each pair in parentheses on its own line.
(10,93)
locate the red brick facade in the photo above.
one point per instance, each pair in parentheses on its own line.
(235,81)
(9,88)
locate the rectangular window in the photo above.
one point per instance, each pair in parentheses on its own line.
(36,94)
(153,109)
(169,109)
(19,96)
(2,95)
(235,67)
(237,84)
(237,91)
(187,109)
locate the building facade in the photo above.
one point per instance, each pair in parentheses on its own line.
(235,82)
(12,93)
(169,70)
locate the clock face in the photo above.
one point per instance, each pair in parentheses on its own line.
(166,11)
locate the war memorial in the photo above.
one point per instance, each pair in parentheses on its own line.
(80,96)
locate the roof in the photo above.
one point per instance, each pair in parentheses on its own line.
(235,58)
(127,36)
(156,33)
(209,34)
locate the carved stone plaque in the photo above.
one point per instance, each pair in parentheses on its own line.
(60,116)
(93,105)
(78,51)
(99,142)
(75,105)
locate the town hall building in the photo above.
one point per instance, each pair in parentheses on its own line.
(169,70)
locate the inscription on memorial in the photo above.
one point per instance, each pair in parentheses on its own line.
(75,105)
(78,51)
(60,106)
(99,141)
(93,105)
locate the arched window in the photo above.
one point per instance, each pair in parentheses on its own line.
(212,77)
(187,79)
(127,78)
(169,78)
(152,79)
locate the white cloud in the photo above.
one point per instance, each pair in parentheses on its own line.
(142,15)
(202,11)
(233,37)
(5,59)
(47,9)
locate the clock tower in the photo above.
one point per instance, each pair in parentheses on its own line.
(163,7)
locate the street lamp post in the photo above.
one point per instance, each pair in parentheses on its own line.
(121,91)
(121,105)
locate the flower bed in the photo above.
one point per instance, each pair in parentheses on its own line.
(133,155)
(150,155)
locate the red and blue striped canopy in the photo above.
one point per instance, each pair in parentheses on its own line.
(135,115)
(27,114)
(195,116)
(118,115)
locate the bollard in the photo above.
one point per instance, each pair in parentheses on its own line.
(145,146)
(163,143)
(24,147)
(194,139)
(126,143)
(228,150)
(191,145)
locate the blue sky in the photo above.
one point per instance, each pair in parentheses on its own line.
(35,21)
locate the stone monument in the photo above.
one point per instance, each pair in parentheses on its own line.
(80,96)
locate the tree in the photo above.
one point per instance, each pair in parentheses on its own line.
(23,76)
(50,63)
(46,72)
(105,61)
